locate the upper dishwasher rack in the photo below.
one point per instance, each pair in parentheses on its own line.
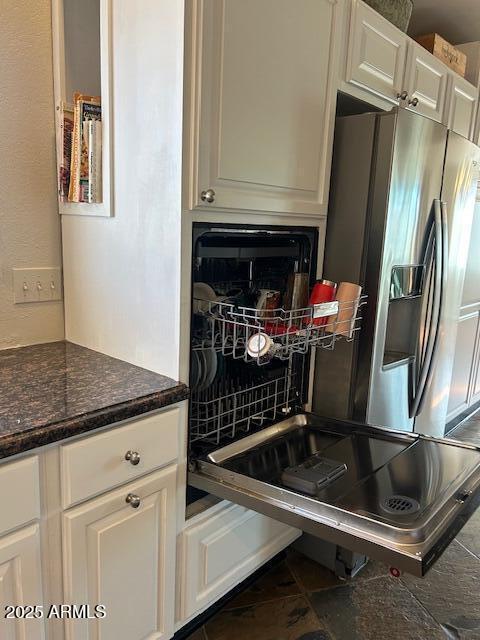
(229,329)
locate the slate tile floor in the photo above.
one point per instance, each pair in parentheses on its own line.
(301,600)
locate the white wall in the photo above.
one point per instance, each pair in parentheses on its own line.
(122,275)
(29,223)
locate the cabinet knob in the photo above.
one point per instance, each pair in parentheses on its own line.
(413,103)
(403,95)
(133,457)
(208,196)
(133,500)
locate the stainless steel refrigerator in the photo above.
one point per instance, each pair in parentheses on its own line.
(401,206)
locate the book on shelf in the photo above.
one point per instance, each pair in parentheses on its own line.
(86,150)
(93,141)
(66,125)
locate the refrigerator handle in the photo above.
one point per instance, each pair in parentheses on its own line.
(441,302)
(423,332)
(439,266)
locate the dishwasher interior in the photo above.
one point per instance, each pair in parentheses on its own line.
(231,394)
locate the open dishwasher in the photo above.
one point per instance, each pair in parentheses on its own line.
(395,496)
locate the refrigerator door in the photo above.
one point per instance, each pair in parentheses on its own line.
(460,181)
(402,201)
(386,176)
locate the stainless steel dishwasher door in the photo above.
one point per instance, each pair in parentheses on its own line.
(402,499)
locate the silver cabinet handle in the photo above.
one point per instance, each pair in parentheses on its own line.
(403,95)
(208,196)
(133,500)
(133,457)
(413,103)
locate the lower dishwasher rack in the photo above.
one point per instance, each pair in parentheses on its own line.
(231,407)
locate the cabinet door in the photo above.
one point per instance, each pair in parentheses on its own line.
(476,134)
(471,288)
(123,557)
(376,52)
(426,80)
(221,548)
(476,379)
(462,106)
(463,374)
(20,583)
(262,104)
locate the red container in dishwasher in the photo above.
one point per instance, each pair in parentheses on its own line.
(323,291)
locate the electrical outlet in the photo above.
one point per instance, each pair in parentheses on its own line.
(37,285)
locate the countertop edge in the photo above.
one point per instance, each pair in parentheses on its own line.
(17,443)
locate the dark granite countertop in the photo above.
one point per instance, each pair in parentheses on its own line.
(53,391)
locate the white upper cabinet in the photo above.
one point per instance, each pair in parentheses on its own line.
(384,61)
(462,106)
(426,83)
(262,104)
(376,53)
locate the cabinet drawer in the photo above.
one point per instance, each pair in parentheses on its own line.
(221,547)
(98,463)
(19,493)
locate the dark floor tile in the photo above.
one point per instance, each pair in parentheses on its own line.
(310,575)
(381,609)
(276,584)
(469,536)
(451,591)
(287,619)
(199,634)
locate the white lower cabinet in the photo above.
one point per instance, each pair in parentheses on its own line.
(221,547)
(119,551)
(465,383)
(21,584)
(464,365)
(476,382)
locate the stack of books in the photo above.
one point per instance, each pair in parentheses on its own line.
(80,178)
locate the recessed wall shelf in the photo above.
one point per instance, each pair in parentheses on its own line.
(82,54)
